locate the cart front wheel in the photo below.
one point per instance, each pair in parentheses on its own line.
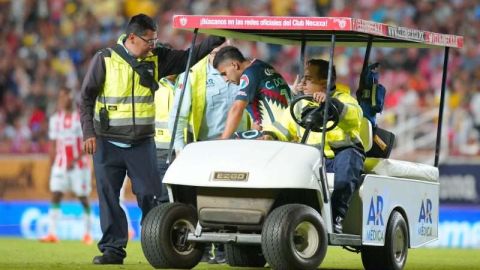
(164,233)
(294,237)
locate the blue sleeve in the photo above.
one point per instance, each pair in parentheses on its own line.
(248,86)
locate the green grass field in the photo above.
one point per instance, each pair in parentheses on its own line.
(28,254)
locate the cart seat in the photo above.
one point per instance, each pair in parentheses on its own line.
(401,169)
(391,167)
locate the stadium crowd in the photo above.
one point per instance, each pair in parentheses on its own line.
(46,44)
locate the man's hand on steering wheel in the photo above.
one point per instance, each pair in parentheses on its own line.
(312,118)
(319,97)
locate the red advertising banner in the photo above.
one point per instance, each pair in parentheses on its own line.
(262,22)
(343,24)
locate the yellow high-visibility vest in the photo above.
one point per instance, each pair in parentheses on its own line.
(130,106)
(198,78)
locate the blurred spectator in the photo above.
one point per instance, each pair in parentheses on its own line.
(20,135)
(44,45)
(475,110)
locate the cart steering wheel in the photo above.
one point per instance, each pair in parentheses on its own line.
(313,118)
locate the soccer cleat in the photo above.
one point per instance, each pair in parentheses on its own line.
(50,238)
(87,239)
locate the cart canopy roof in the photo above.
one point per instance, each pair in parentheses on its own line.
(315,31)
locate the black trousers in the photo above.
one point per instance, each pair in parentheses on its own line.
(162,166)
(347,166)
(111,163)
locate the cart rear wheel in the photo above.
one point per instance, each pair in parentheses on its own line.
(393,255)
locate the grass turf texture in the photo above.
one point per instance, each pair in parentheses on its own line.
(29,254)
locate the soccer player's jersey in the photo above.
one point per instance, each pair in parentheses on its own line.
(65,129)
(266,92)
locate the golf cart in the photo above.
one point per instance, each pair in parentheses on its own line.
(269,201)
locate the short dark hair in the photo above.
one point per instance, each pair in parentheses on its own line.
(226,53)
(65,89)
(139,24)
(323,69)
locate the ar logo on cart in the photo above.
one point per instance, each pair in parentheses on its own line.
(375,211)
(425,215)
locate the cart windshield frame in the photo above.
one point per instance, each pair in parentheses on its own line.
(319,31)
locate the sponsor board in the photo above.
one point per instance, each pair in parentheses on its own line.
(460,184)
(30,219)
(24,177)
(459,227)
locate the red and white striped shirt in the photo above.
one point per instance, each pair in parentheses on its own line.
(66,130)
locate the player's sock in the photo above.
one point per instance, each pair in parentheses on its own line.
(54,215)
(87,236)
(87,219)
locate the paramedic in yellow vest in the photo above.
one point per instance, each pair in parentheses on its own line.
(343,148)
(164,98)
(118,123)
(205,104)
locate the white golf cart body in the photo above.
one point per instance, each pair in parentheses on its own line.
(234,186)
(246,165)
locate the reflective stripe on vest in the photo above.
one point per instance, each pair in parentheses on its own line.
(125,100)
(282,130)
(163,104)
(162,135)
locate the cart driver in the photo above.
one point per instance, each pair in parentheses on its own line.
(344,149)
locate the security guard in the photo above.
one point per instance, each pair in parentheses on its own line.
(117,115)
(343,148)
